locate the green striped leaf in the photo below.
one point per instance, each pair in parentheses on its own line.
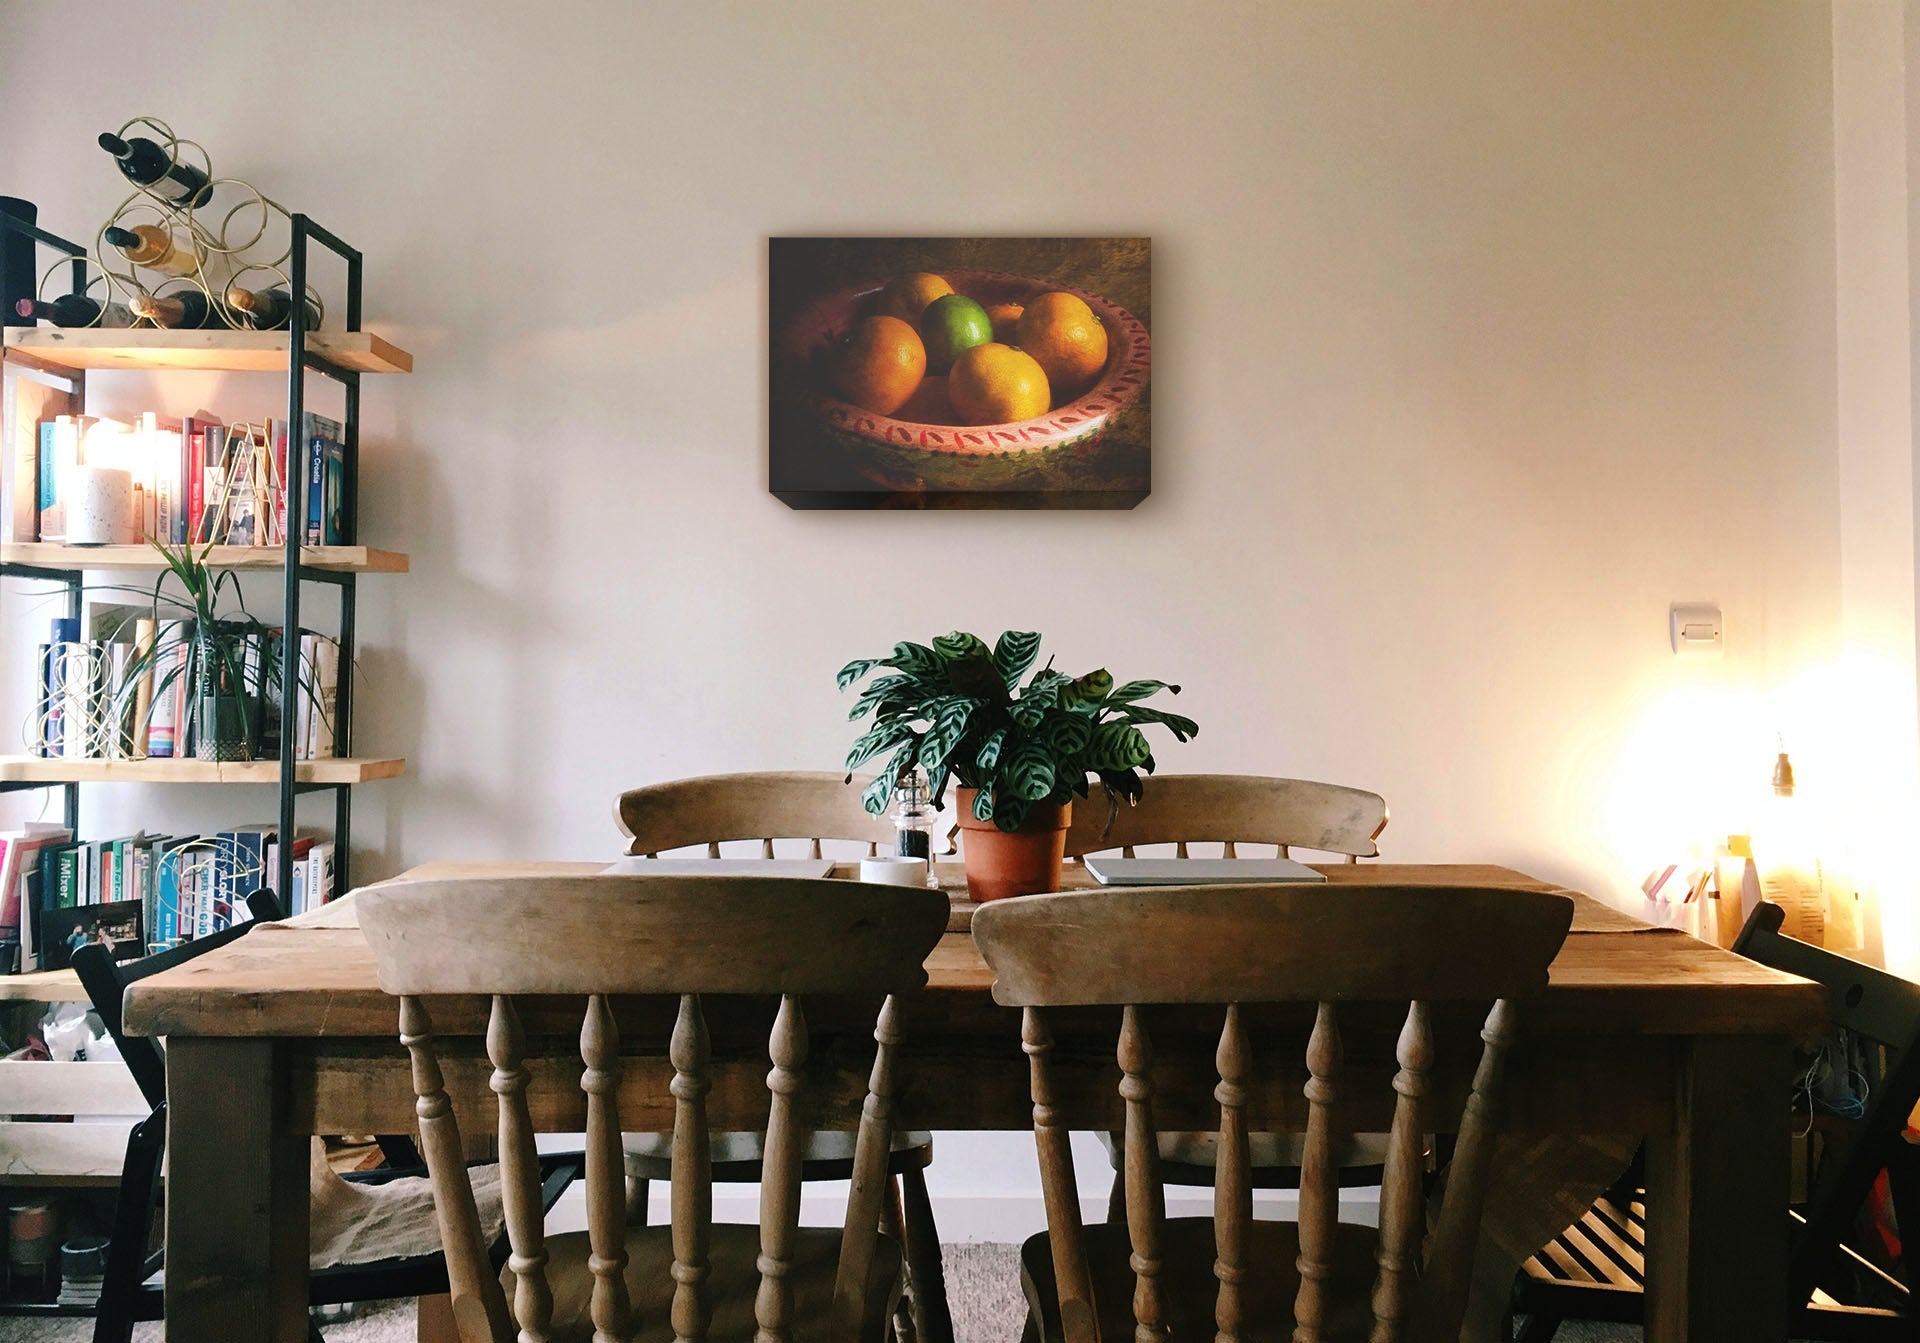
(1028,773)
(1014,653)
(876,694)
(1095,685)
(854,670)
(948,717)
(1068,733)
(1134,690)
(983,805)
(1117,746)
(959,645)
(877,794)
(875,740)
(1182,728)
(913,659)
(989,757)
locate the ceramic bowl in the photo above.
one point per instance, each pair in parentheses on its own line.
(903,453)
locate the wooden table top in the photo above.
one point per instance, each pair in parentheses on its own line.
(313,976)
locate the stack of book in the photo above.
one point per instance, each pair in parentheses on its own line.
(141,892)
(195,480)
(129,689)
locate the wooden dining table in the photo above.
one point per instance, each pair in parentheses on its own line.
(285,1034)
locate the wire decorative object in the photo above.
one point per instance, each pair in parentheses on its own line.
(225,237)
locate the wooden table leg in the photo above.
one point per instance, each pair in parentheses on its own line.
(1717,1186)
(237,1200)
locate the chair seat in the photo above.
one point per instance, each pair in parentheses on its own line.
(731,1286)
(1189,1286)
(1273,1158)
(825,1155)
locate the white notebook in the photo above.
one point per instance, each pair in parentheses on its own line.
(1198,871)
(722,867)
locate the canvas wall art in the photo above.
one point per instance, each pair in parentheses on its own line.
(959,372)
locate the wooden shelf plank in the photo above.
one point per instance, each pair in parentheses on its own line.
(42,986)
(218,351)
(37,769)
(335,559)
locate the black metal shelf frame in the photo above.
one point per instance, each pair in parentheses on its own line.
(300,362)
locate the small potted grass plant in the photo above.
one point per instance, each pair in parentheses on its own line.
(225,659)
(1020,754)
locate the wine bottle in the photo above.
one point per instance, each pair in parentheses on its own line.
(269,309)
(154,248)
(184,310)
(74,310)
(148,164)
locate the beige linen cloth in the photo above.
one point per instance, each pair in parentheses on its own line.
(365,1223)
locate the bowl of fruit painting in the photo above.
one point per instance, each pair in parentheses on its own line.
(959,372)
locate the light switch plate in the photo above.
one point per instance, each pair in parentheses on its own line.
(1694,628)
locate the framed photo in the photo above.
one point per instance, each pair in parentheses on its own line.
(959,372)
(65,931)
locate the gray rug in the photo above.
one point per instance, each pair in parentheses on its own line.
(983,1288)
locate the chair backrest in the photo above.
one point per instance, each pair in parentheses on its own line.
(813,805)
(1246,945)
(1235,809)
(106,981)
(677,937)
(1876,1007)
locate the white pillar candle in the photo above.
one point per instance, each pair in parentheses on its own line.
(100,507)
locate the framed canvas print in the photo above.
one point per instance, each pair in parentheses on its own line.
(959,372)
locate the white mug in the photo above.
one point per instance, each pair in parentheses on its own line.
(890,871)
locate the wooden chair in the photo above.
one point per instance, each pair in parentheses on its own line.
(816,806)
(1158,955)
(131,1288)
(677,938)
(1233,810)
(1596,1269)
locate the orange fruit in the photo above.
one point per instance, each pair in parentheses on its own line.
(929,404)
(1006,320)
(907,296)
(1061,331)
(997,384)
(879,365)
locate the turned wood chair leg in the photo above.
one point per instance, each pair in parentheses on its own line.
(637,1201)
(925,1271)
(433,1320)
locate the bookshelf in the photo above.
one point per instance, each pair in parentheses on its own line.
(64,356)
(63,349)
(54,557)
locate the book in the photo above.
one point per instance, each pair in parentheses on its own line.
(19,855)
(29,401)
(319,883)
(166,723)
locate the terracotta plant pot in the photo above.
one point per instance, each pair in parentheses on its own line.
(1020,862)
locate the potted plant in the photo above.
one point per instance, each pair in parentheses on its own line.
(1020,753)
(226,660)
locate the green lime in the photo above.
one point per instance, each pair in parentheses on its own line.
(952,325)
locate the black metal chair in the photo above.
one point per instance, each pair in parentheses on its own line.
(1595,1270)
(131,1290)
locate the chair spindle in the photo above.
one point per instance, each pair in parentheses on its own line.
(520,1193)
(1319,1180)
(766,847)
(780,1179)
(1057,1184)
(692,1192)
(1146,1200)
(479,1307)
(1443,1291)
(867,1195)
(611,1308)
(1228,850)
(1232,1188)
(713,848)
(1402,1207)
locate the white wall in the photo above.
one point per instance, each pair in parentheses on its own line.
(1482,333)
